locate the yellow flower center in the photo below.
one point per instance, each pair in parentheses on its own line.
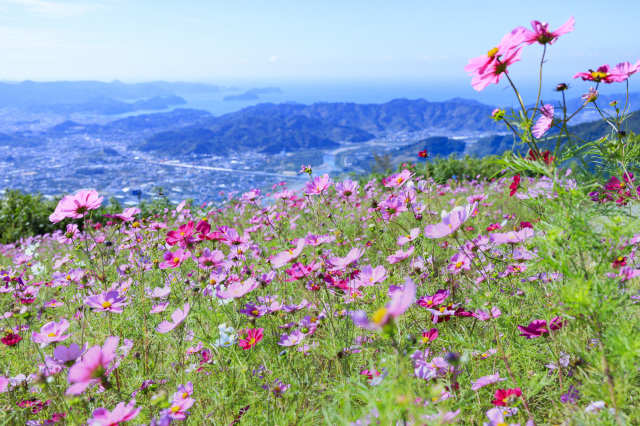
(252,341)
(458,265)
(106,304)
(176,260)
(379,315)
(68,277)
(492,53)
(182,233)
(212,281)
(51,335)
(175,409)
(442,308)
(290,252)
(255,312)
(598,75)
(185,394)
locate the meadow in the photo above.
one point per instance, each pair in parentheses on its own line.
(496,299)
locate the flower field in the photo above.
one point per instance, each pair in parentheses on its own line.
(401,301)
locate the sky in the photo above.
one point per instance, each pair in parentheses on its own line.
(413,41)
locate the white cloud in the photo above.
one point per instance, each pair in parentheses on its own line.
(51,9)
(273,59)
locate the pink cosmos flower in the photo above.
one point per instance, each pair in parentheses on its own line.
(52,332)
(316,240)
(484,316)
(122,413)
(544,122)
(183,234)
(238,289)
(318,185)
(542,35)
(399,304)
(211,259)
(370,276)
(429,335)
(174,260)
(161,307)
(486,380)
(4,384)
(177,317)
(403,239)
(340,263)
(107,302)
(72,233)
(295,338)
(250,337)
(251,195)
(287,256)
(604,74)
(479,65)
(397,179)
(400,255)
(458,262)
(126,216)
(496,417)
(93,367)
(539,328)
(625,68)
(511,237)
(347,188)
(450,221)
(434,300)
(76,206)
(178,410)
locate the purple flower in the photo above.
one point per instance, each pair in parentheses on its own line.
(450,221)
(486,380)
(107,302)
(292,339)
(544,122)
(340,263)
(253,310)
(277,387)
(52,332)
(511,237)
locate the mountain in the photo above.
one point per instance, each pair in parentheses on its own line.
(253,94)
(272,128)
(31,93)
(107,106)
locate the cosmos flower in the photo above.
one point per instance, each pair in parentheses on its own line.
(250,337)
(110,301)
(545,121)
(122,413)
(399,304)
(177,317)
(542,35)
(76,206)
(52,332)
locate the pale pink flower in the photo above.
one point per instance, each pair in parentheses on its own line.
(397,179)
(486,380)
(238,289)
(400,302)
(287,256)
(370,276)
(52,332)
(122,413)
(177,317)
(400,255)
(67,355)
(318,185)
(110,301)
(340,263)
(76,206)
(93,367)
(545,121)
(403,239)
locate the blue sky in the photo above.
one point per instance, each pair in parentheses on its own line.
(302,40)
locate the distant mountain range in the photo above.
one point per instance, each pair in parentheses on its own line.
(272,128)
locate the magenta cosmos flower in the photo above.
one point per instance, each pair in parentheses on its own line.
(122,413)
(93,367)
(52,332)
(399,304)
(488,69)
(250,337)
(450,221)
(542,35)
(174,259)
(75,206)
(400,255)
(604,74)
(183,233)
(625,68)
(211,259)
(347,189)
(318,185)
(126,216)
(107,302)
(177,317)
(539,328)
(544,122)
(397,179)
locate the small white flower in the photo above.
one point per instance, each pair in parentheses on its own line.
(226,340)
(223,329)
